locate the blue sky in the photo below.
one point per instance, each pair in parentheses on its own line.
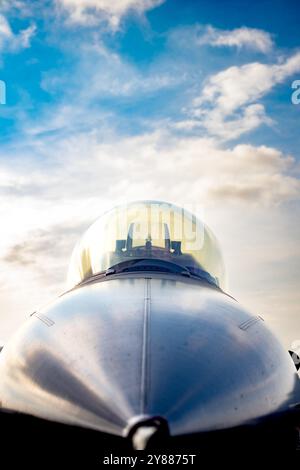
(58,62)
(187,101)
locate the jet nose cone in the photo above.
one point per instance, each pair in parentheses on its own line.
(158,348)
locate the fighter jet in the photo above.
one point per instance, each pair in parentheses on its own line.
(146,348)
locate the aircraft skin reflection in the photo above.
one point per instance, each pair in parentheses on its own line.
(146,345)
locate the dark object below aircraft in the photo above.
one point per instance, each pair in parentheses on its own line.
(146,350)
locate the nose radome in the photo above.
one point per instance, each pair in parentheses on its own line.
(170,358)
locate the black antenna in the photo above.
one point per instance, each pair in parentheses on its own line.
(167,238)
(130,237)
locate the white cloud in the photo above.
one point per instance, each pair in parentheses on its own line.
(227,104)
(158,165)
(100,74)
(238,85)
(24,37)
(11,41)
(5,30)
(250,38)
(92,11)
(242,121)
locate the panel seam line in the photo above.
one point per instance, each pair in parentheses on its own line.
(145,345)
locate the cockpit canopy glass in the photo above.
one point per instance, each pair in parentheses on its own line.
(148,230)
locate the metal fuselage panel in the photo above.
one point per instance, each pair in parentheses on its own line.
(138,345)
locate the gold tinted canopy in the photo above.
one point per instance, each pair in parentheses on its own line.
(150,230)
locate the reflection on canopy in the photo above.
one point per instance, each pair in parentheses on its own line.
(146,230)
